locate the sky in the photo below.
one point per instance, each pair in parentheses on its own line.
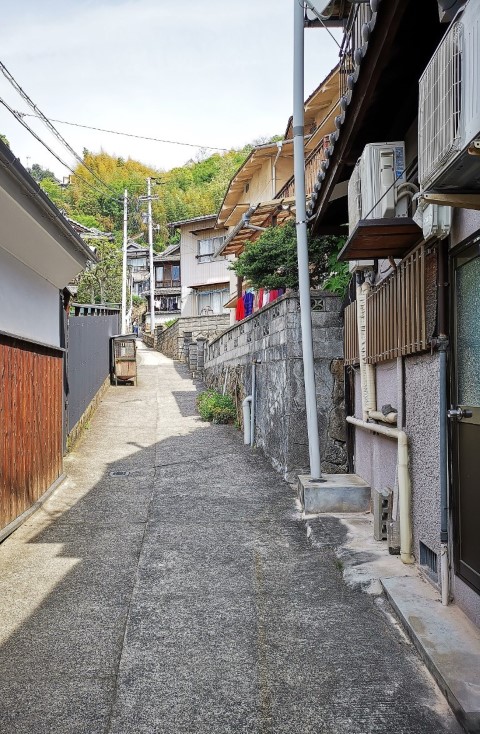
(212,73)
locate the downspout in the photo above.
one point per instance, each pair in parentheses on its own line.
(404,487)
(246,419)
(274,168)
(442,344)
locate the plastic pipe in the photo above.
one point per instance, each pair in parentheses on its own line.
(404,486)
(252,405)
(377,415)
(246,419)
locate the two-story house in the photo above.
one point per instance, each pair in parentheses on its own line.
(406,144)
(205,276)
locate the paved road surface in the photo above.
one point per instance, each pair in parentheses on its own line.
(185,595)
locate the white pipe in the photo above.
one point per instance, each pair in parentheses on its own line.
(252,406)
(444,574)
(404,486)
(377,415)
(367,371)
(246,419)
(274,169)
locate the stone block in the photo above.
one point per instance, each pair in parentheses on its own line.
(336,493)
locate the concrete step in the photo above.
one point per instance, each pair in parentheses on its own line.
(334,493)
(446,640)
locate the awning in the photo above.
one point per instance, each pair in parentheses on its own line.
(381,238)
(213,285)
(260,216)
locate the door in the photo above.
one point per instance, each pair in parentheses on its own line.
(465,415)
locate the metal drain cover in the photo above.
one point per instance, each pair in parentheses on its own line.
(119,473)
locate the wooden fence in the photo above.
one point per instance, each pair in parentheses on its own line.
(30,424)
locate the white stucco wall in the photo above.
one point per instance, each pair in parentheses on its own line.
(195,273)
(29,304)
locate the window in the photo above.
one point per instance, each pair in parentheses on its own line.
(138,263)
(175,272)
(207,247)
(211,302)
(159,273)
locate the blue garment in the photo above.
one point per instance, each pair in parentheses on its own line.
(248,299)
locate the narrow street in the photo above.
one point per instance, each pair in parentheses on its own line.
(169,585)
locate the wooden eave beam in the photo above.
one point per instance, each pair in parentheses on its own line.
(371,70)
(457,200)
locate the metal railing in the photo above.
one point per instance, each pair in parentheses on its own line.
(360,14)
(312,165)
(351,350)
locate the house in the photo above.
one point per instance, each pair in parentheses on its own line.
(138,266)
(40,254)
(205,275)
(262,192)
(404,157)
(167,285)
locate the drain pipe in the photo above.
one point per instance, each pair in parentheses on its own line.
(246,407)
(367,371)
(252,405)
(274,168)
(404,487)
(442,344)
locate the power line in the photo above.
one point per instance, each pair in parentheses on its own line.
(55,155)
(46,121)
(129,135)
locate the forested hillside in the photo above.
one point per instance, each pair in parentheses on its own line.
(94,195)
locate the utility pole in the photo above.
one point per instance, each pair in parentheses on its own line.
(124,268)
(302,246)
(150,245)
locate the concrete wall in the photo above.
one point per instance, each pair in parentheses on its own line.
(171,341)
(272,337)
(29,304)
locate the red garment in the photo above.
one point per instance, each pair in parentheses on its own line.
(240,310)
(260,297)
(273,296)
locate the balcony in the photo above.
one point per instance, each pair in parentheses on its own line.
(312,165)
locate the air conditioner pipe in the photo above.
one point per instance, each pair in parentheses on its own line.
(442,342)
(404,486)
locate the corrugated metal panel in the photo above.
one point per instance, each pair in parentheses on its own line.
(88,363)
(30,424)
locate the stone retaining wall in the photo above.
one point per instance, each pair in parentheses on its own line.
(272,338)
(173,341)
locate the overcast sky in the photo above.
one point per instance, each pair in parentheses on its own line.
(209,72)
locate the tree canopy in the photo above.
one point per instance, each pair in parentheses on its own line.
(271,261)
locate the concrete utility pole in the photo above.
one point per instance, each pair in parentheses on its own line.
(302,247)
(150,245)
(124,268)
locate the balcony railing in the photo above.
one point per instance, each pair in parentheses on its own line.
(312,165)
(360,14)
(167,283)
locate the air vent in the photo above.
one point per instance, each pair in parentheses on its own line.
(428,559)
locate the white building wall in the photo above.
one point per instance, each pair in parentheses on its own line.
(195,273)
(29,304)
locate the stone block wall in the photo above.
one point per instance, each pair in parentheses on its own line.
(272,339)
(174,340)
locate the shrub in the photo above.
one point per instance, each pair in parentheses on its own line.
(169,322)
(216,408)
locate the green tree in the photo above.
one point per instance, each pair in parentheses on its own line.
(271,261)
(39,173)
(102,282)
(4,140)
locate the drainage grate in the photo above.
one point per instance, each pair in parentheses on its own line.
(119,473)
(428,558)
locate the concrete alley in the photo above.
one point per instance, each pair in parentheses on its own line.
(171,585)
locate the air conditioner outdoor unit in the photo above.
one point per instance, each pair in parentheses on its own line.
(373,186)
(373,189)
(449,109)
